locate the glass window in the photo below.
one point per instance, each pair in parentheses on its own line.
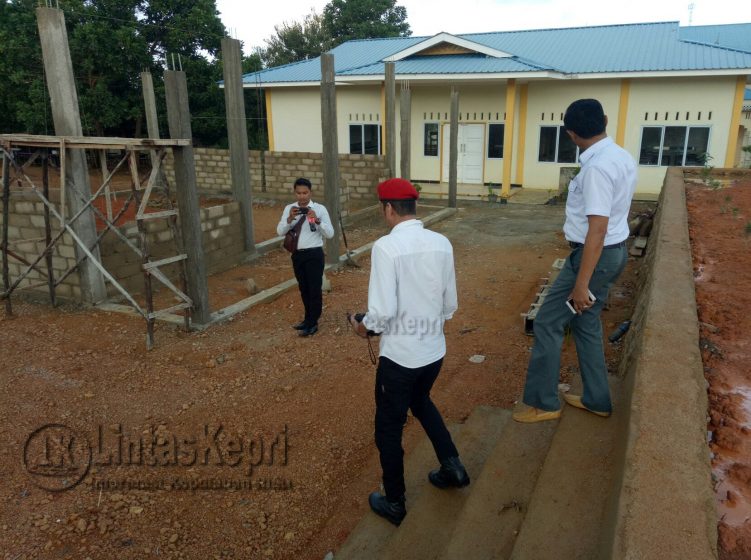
(674,145)
(696,147)
(566,147)
(548,136)
(495,140)
(371,138)
(355,139)
(430,146)
(651,139)
(364,139)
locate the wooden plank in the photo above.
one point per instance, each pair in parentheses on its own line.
(159,275)
(169,310)
(46,141)
(155,215)
(169,260)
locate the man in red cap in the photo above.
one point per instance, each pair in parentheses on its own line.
(412,292)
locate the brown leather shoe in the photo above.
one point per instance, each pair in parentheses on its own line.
(576,400)
(530,414)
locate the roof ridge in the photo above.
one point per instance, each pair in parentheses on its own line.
(723,47)
(570,28)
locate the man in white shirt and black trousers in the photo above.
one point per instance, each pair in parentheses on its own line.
(412,292)
(596,227)
(308,260)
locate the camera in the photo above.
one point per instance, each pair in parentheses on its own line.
(302,210)
(359,317)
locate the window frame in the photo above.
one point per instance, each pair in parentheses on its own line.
(425,137)
(660,148)
(560,129)
(362,136)
(503,137)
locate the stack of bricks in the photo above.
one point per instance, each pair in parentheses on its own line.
(26,238)
(359,173)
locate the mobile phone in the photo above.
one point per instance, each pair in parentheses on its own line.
(570,302)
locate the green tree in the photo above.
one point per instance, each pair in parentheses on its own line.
(345,20)
(111,41)
(296,41)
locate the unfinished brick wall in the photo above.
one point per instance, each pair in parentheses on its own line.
(359,173)
(222,242)
(26,238)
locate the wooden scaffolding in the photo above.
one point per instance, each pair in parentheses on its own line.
(142,188)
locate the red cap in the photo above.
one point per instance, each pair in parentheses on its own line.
(397,189)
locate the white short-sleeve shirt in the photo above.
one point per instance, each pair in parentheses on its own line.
(604,186)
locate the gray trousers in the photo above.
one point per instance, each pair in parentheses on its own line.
(541,387)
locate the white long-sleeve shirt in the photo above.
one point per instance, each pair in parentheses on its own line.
(308,239)
(412,292)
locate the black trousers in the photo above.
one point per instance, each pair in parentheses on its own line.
(308,266)
(397,389)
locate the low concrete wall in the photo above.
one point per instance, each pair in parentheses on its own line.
(359,173)
(665,506)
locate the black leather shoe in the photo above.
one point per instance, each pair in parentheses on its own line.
(391,511)
(299,326)
(451,473)
(310,331)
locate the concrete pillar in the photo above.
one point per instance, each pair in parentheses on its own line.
(453,148)
(237,132)
(65,114)
(178,115)
(149,102)
(405,114)
(330,153)
(390,118)
(508,137)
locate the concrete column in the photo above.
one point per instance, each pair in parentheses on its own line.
(178,115)
(453,148)
(405,114)
(237,132)
(330,153)
(390,118)
(149,102)
(64,100)
(508,137)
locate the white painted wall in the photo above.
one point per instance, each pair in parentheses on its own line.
(296,119)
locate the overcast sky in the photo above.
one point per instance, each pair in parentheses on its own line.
(252,22)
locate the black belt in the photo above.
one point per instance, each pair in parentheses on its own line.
(309,249)
(575,245)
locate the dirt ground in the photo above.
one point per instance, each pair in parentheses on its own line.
(294,416)
(720,229)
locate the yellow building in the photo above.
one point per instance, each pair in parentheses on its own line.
(673,96)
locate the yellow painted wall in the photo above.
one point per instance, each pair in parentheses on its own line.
(478,101)
(297,113)
(692,95)
(297,119)
(553,97)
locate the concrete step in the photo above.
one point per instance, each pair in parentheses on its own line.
(489,523)
(573,501)
(372,535)
(430,521)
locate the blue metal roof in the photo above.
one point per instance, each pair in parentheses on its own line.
(733,36)
(647,47)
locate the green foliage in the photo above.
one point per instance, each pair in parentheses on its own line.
(296,41)
(111,42)
(341,20)
(748,228)
(345,20)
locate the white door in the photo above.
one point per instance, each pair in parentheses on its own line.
(470,141)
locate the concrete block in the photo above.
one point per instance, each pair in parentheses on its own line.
(224,221)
